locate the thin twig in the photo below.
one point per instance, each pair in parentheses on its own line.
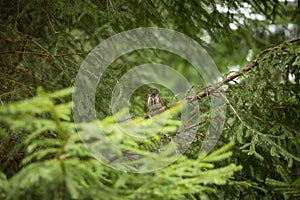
(42,53)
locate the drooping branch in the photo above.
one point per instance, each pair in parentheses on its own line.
(211,89)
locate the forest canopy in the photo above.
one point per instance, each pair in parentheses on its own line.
(252,101)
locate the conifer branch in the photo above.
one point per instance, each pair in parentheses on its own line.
(211,89)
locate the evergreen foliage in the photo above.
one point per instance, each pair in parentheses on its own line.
(43,44)
(58,166)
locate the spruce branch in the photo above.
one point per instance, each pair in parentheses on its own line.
(213,88)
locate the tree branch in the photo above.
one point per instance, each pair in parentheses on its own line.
(216,86)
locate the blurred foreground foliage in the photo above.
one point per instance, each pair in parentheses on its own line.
(58,166)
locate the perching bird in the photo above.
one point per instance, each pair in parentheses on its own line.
(153,100)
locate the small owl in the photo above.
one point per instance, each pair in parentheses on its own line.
(153,100)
